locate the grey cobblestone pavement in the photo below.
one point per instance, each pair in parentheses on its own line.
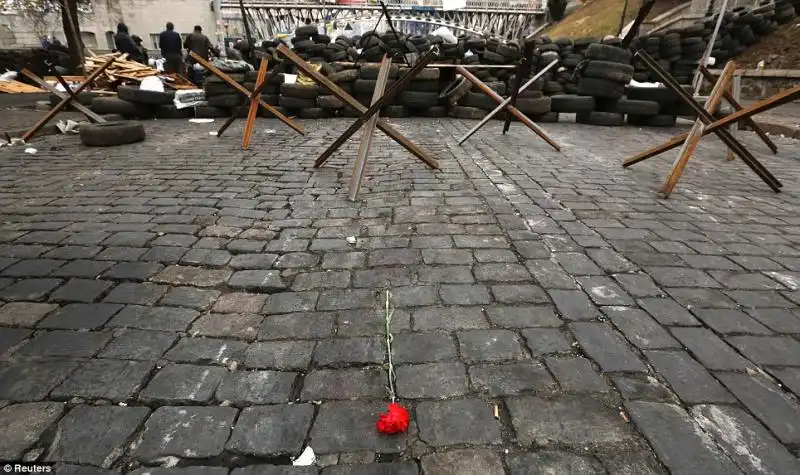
(183,302)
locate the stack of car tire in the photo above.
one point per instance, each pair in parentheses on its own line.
(331,104)
(785,10)
(134,103)
(221,99)
(603,75)
(309,44)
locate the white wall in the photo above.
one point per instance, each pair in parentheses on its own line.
(143,17)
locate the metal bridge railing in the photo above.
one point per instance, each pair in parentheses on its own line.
(521,5)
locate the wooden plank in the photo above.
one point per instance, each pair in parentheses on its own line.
(696,133)
(251,114)
(360,164)
(383,125)
(16,87)
(511,109)
(63,95)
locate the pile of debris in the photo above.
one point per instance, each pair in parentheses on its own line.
(123,71)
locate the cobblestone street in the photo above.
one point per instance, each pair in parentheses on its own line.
(181,301)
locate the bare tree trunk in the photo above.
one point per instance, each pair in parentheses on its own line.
(72,32)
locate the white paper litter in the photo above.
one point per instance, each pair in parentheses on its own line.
(31,151)
(68,126)
(269,131)
(213,132)
(189,98)
(351,239)
(201,121)
(305,459)
(290,78)
(152,83)
(8,76)
(446,34)
(644,84)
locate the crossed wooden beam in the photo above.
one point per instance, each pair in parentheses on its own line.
(254,98)
(369,116)
(67,97)
(706,124)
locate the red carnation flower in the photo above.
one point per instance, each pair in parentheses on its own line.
(394,421)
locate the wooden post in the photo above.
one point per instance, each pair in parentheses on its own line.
(63,95)
(254,98)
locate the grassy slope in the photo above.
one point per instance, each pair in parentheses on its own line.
(778,50)
(601,17)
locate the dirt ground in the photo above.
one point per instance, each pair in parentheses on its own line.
(778,50)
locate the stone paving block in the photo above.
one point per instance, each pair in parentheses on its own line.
(261,280)
(154,318)
(227,325)
(401,468)
(448,318)
(290,302)
(33,268)
(576,375)
(489,345)
(113,380)
(709,349)
(445,274)
(10,337)
(117,253)
(701,298)
(193,470)
(197,276)
(480,242)
(790,377)
(693,383)
(139,294)
(730,321)
(344,260)
(131,271)
(130,344)
(553,462)
(305,325)
(206,257)
(681,277)
(348,351)
(573,305)
(199,299)
(345,299)
(575,263)
(668,312)
(239,302)
(412,296)
(206,351)
(90,435)
(532,249)
(186,432)
(24,314)
(642,387)
(337,421)
(126,238)
(182,383)
(350,383)
(744,440)
(81,290)
(606,347)
(768,350)
(383,277)
(519,293)
(511,379)
(503,272)
(24,424)
(523,316)
(30,289)
(767,402)
(32,380)
(639,328)
(604,291)
(678,440)
(757,298)
(637,461)
(423,347)
(321,280)
(639,285)
(243,388)
(80,316)
(447,256)
(65,343)
(431,380)
(780,320)
(82,268)
(610,261)
(269,431)
(271,470)
(253,261)
(465,421)
(280,355)
(550,275)
(570,420)
(543,341)
(462,462)
(464,294)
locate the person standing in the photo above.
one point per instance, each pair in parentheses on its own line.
(199,44)
(125,44)
(170,43)
(144,58)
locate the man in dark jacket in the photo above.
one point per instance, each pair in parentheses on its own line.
(144,57)
(170,43)
(125,43)
(199,43)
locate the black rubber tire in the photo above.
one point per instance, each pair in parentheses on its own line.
(84,97)
(600,118)
(661,120)
(553,88)
(114,105)
(533,107)
(455,91)
(419,99)
(435,111)
(208,112)
(493,58)
(423,86)
(633,106)
(297,102)
(226,100)
(427,74)
(217,88)
(306,30)
(478,100)
(571,104)
(600,88)
(617,72)
(111,134)
(265,113)
(299,91)
(329,102)
(370,71)
(169,111)
(461,112)
(238,77)
(348,75)
(602,52)
(550,117)
(395,111)
(662,95)
(496,86)
(313,113)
